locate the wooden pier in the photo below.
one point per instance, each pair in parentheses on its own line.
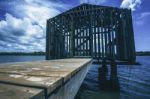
(54,79)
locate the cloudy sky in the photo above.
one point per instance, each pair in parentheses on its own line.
(23,22)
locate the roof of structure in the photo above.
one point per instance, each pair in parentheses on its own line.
(86,6)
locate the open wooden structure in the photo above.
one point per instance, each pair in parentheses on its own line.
(91,30)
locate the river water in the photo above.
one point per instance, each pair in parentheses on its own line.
(133,80)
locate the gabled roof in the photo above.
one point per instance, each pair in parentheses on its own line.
(85,6)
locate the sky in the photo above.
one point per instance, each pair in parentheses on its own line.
(23,22)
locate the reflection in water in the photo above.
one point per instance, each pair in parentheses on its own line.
(101,82)
(134,82)
(108,82)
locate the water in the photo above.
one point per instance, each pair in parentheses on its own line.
(13,58)
(134,80)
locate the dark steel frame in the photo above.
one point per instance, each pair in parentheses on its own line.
(91,31)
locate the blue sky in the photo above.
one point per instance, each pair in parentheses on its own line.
(23,22)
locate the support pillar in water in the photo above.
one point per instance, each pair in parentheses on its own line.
(102,73)
(114,83)
(111,83)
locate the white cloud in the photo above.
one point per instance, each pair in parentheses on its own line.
(40,14)
(27,33)
(20,33)
(131,4)
(92,1)
(48,3)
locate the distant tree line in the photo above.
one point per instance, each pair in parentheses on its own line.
(22,53)
(143,53)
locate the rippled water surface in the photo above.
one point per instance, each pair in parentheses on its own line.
(134,80)
(13,58)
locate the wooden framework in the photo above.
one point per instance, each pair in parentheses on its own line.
(91,30)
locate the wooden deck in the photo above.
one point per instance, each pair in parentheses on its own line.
(37,80)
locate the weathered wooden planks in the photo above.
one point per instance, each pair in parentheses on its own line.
(45,76)
(8,91)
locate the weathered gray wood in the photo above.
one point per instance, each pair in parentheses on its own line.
(8,91)
(39,79)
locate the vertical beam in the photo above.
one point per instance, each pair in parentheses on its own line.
(94,33)
(109,35)
(99,43)
(47,41)
(83,36)
(55,40)
(102,38)
(86,35)
(132,38)
(130,47)
(121,37)
(91,36)
(72,40)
